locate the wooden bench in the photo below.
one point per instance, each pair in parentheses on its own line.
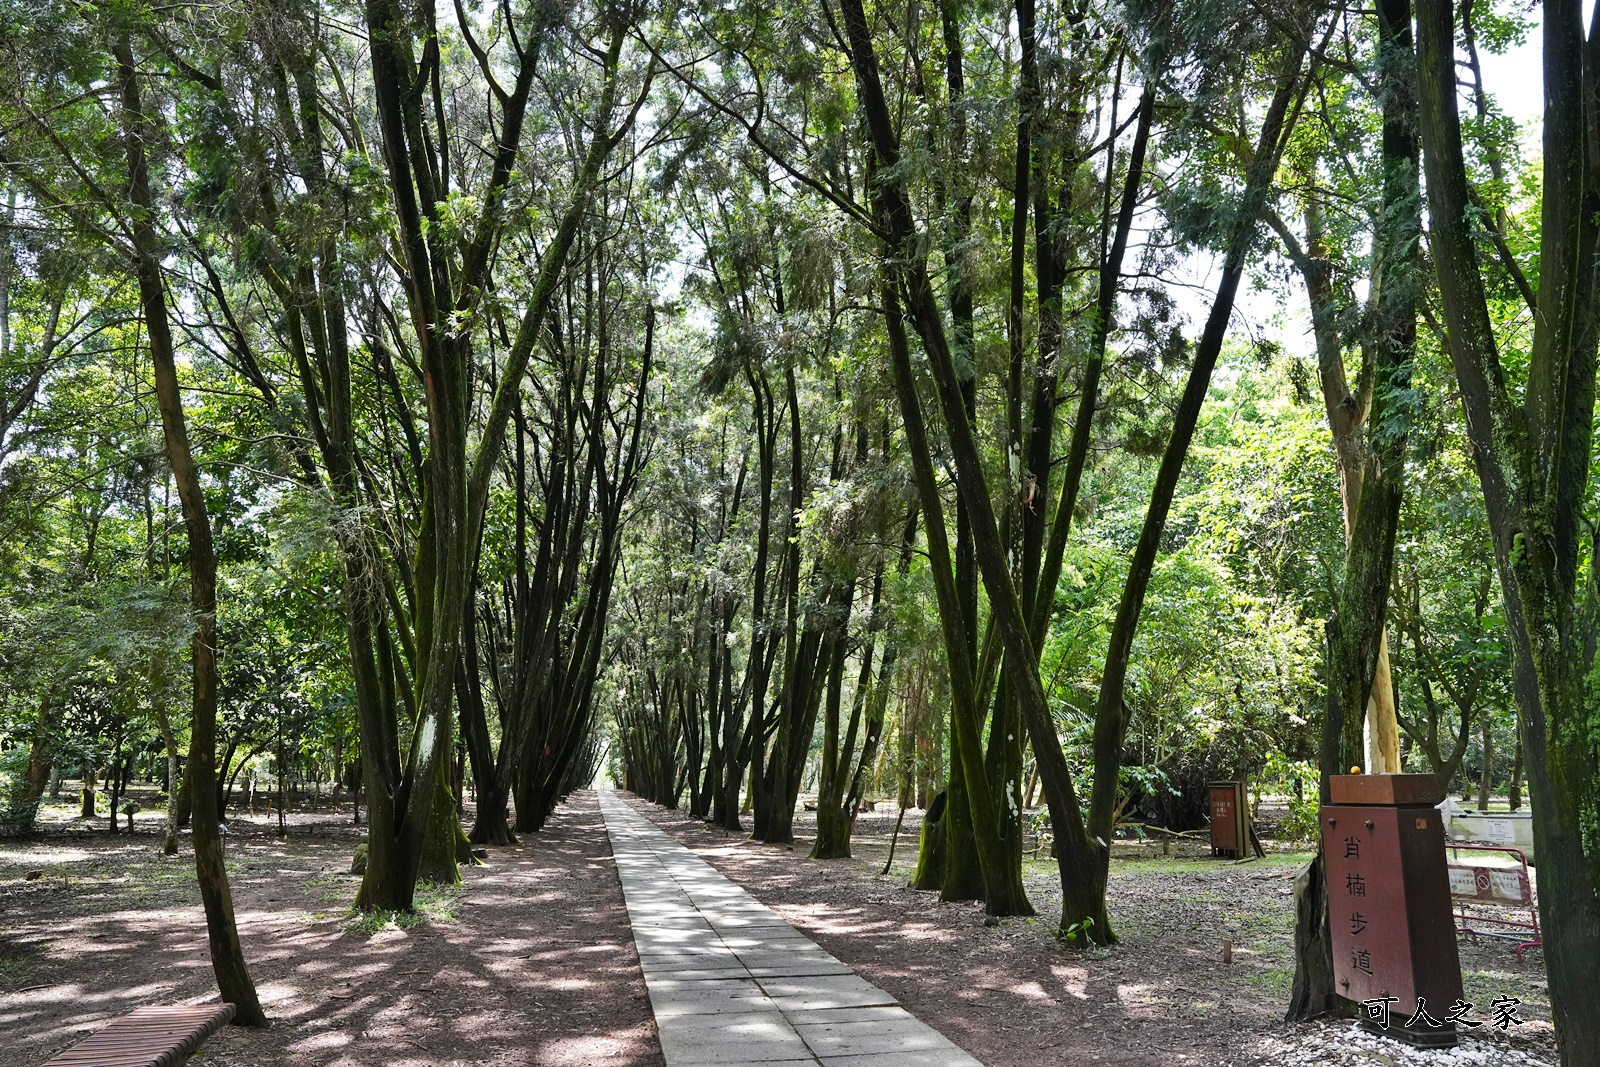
(148,1037)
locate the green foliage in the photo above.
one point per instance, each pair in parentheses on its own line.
(1300,782)
(1073,932)
(17,809)
(435,903)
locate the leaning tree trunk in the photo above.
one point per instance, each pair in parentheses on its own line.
(1111,719)
(227,954)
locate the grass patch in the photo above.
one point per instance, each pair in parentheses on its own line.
(433,904)
(12,970)
(331,888)
(1276,982)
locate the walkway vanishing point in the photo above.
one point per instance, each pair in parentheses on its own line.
(732,983)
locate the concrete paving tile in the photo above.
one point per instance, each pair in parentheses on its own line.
(685,1002)
(725,904)
(852,983)
(733,987)
(808,951)
(883,1013)
(825,991)
(667,936)
(671,997)
(698,974)
(754,923)
(872,1036)
(813,1001)
(746,1038)
(797,969)
(701,953)
(767,939)
(951,1057)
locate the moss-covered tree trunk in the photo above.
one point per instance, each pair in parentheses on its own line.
(1533,458)
(929,871)
(1003,893)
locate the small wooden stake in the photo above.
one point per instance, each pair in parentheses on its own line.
(1227,951)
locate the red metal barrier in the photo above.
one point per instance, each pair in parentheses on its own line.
(1496,885)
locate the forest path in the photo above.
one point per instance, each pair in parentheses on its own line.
(731,983)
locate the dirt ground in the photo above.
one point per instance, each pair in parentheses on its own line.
(531,960)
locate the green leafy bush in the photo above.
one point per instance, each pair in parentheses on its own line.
(1282,774)
(17,809)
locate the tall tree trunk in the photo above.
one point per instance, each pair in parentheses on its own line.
(41,753)
(1002,884)
(1514,789)
(1533,461)
(227,954)
(169,843)
(116,783)
(1357,631)
(1347,414)
(1111,720)
(1486,770)
(751,750)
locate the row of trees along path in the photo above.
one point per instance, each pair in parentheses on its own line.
(670,385)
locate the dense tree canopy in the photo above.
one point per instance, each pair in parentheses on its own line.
(763,401)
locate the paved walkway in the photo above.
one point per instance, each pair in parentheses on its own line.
(731,982)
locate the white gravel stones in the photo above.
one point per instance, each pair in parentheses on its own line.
(1342,1044)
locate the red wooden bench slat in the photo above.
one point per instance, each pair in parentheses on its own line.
(148,1037)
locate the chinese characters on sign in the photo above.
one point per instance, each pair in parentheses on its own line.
(1394,946)
(1504,1010)
(1355,885)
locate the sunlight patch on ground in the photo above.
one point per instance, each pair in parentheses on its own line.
(1074,980)
(34,857)
(1030,991)
(579,1051)
(323,1042)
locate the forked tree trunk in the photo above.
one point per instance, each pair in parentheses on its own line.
(963,874)
(1003,892)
